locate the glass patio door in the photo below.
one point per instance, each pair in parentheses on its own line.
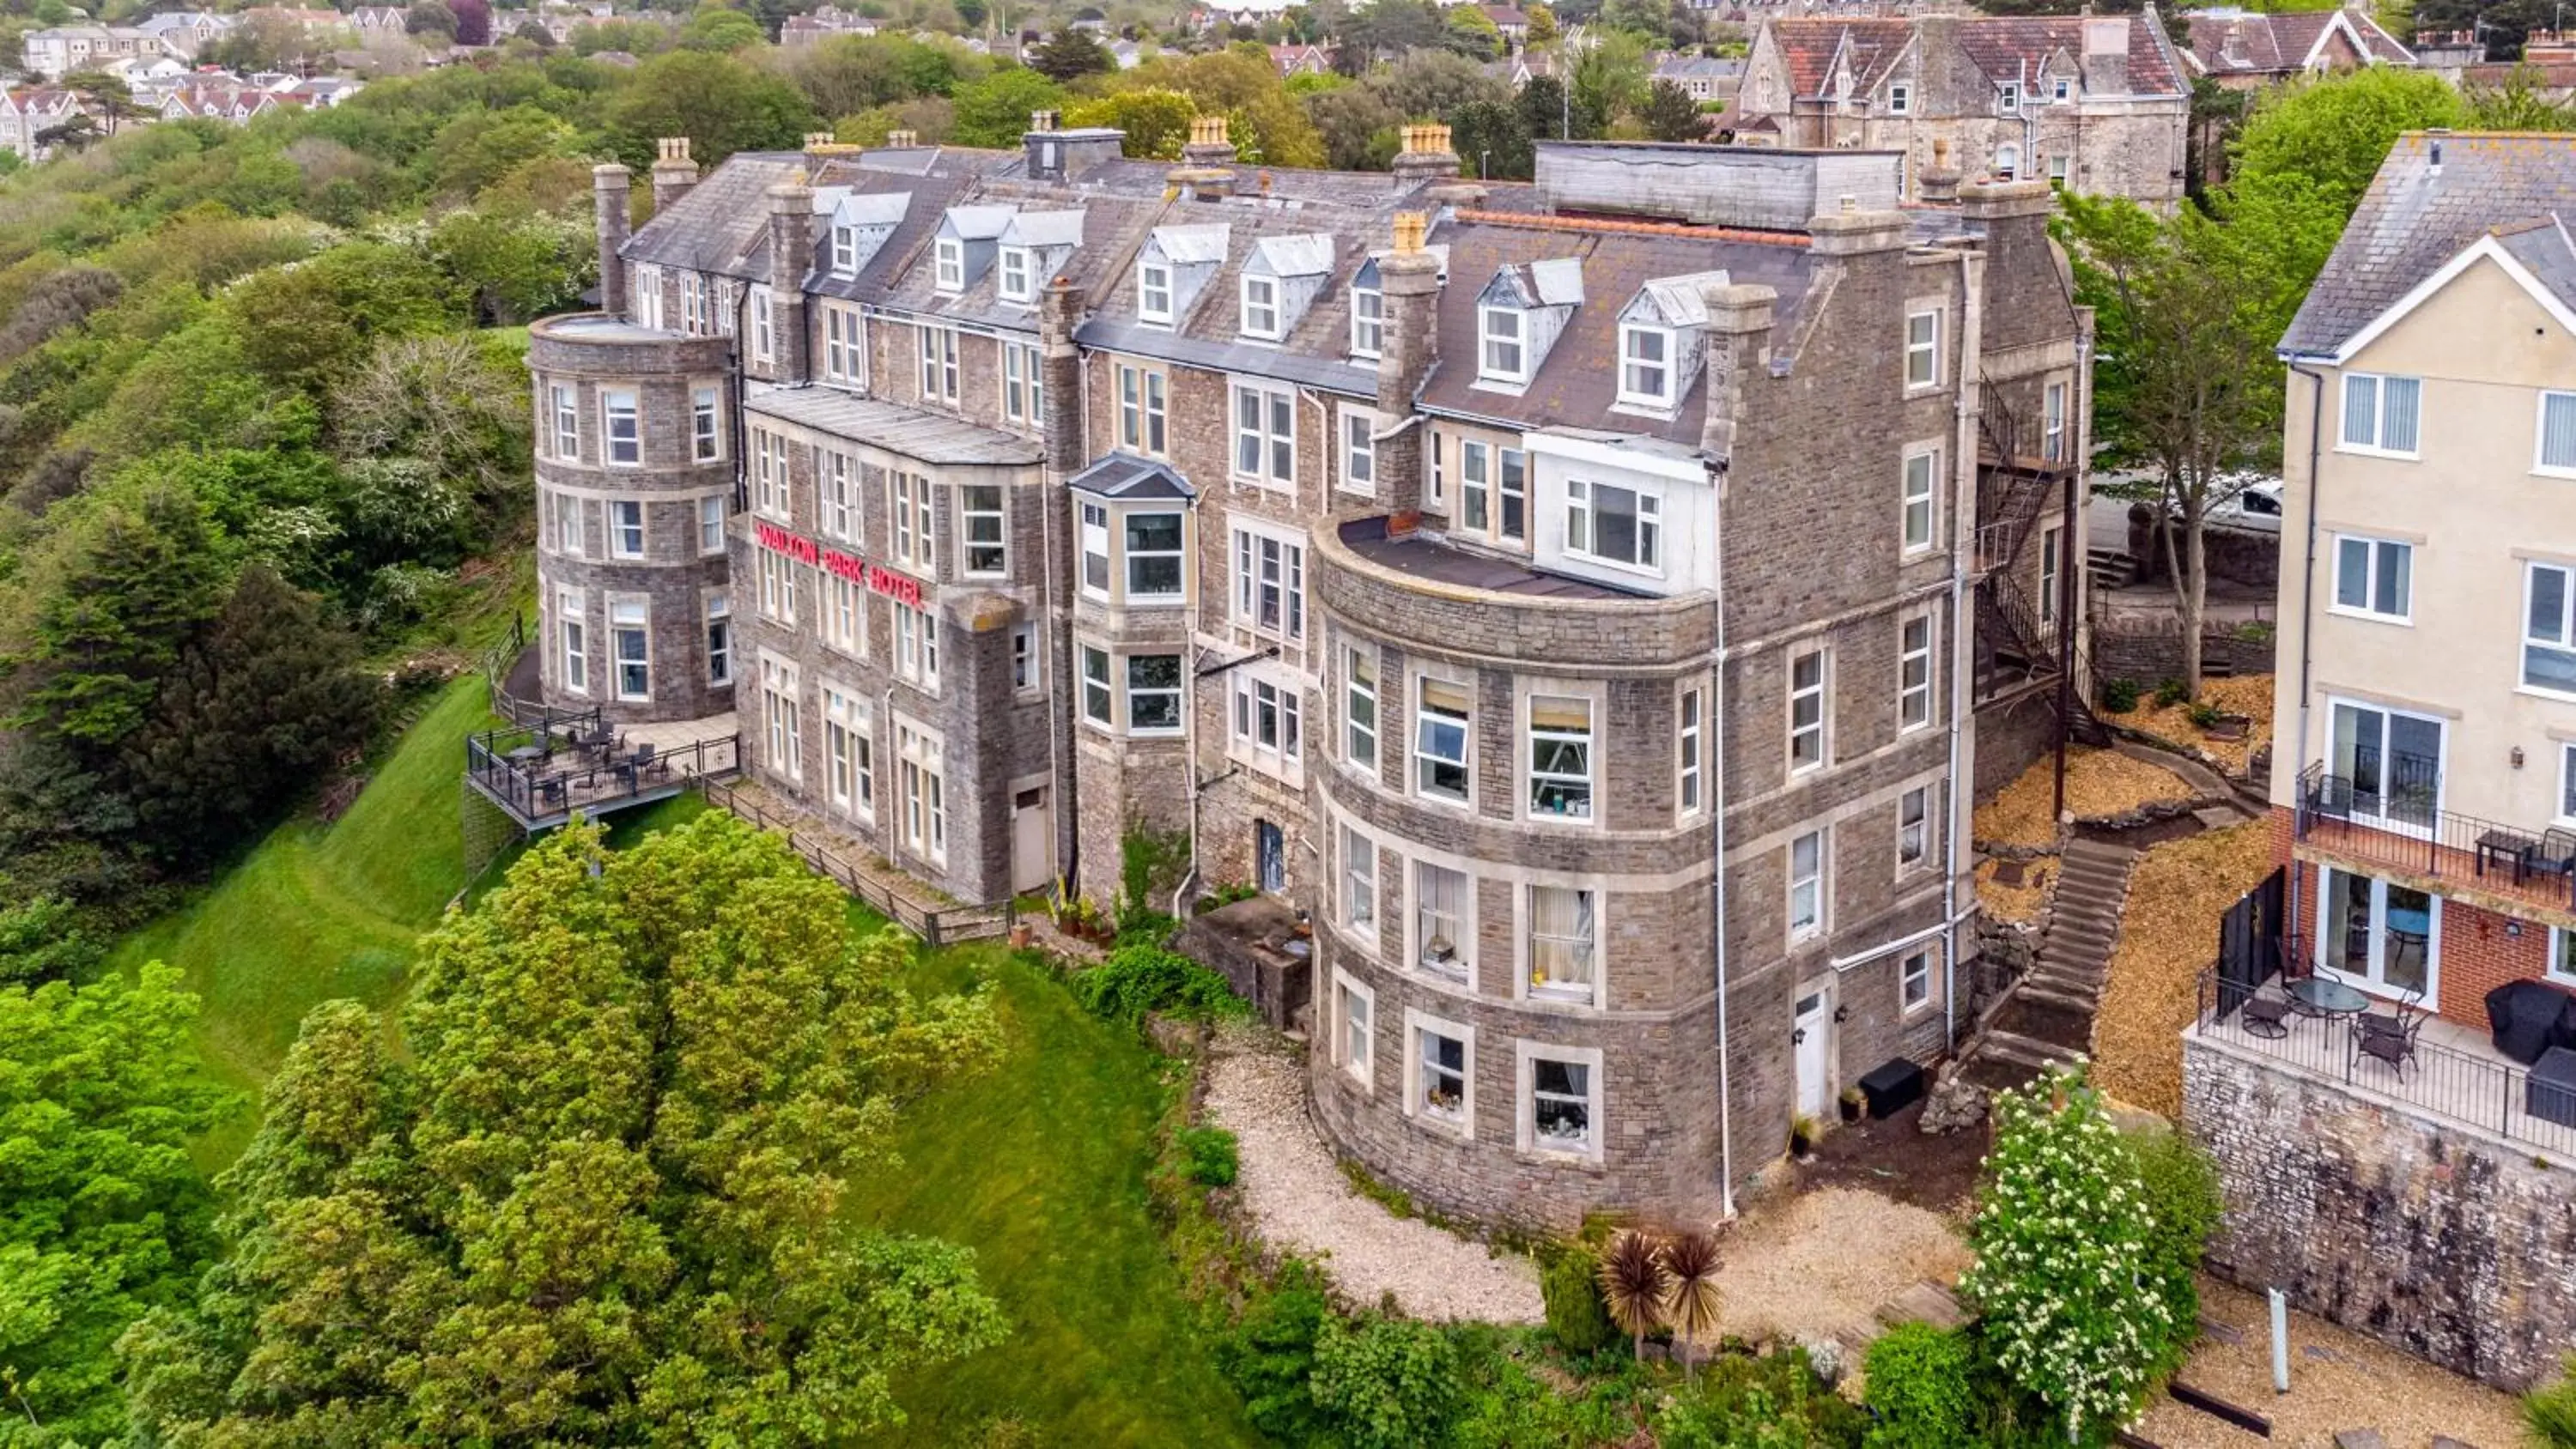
(2377,935)
(2392,764)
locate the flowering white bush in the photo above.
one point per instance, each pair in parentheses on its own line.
(2061,1240)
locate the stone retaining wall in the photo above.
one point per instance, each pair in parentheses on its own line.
(2147,650)
(2451,1244)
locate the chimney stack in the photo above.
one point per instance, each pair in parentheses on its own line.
(1206,171)
(673,172)
(820,148)
(608,192)
(902,140)
(1739,341)
(1426,156)
(1408,281)
(1060,309)
(791,260)
(1938,183)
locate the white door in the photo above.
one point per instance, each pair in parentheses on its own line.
(1811,1044)
(1029,841)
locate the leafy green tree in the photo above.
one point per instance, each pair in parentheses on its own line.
(134,585)
(2063,1235)
(1068,53)
(994,112)
(254,711)
(1545,109)
(2328,136)
(1609,82)
(1357,125)
(430,22)
(604,1199)
(721,30)
(1157,121)
(42,939)
(1492,141)
(1269,1357)
(1470,32)
(519,268)
(2183,1209)
(304,326)
(721,103)
(1542,24)
(1390,1384)
(106,1218)
(1669,114)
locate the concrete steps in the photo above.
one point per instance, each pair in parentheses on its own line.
(2111,568)
(2047,1019)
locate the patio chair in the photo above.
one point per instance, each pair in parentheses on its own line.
(2554,855)
(2266,1016)
(2389,1039)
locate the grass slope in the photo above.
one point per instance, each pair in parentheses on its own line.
(1040,1168)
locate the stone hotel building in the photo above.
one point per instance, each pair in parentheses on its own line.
(1591,601)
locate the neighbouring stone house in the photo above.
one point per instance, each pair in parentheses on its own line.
(2100,104)
(1593,627)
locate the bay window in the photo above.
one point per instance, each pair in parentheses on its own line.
(1560,758)
(1154,543)
(981,524)
(1562,935)
(1614,524)
(1441,718)
(1095,549)
(1098,702)
(1154,694)
(1359,709)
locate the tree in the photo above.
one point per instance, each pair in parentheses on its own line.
(1691,1302)
(2061,1237)
(1071,52)
(1633,1285)
(1384,29)
(1470,32)
(107,1219)
(1544,108)
(1492,139)
(134,587)
(474,21)
(994,112)
(2186,317)
(254,711)
(607,1193)
(721,103)
(1156,121)
(1669,114)
(1609,82)
(2330,134)
(535,33)
(1542,25)
(721,30)
(430,22)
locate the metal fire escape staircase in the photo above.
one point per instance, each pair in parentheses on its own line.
(2016,650)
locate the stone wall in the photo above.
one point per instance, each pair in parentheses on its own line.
(2243,555)
(2449,1243)
(2149,649)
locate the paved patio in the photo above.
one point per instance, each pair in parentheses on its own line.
(2457,1074)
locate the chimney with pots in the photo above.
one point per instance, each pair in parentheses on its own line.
(1938,183)
(1426,156)
(791,260)
(902,140)
(1206,170)
(609,200)
(1408,281)
(673,172)
(821,147)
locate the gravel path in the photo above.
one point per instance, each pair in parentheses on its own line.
(1299,1200)
(1819,1265)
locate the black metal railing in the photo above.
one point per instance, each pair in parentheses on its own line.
(935,925)
(2489,1093)
(560,762)
(2383,809)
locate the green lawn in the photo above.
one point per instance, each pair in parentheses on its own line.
(1040,1167)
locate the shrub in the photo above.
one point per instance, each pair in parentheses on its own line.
(1920,1389)
(1211,1150)
(1269,1355)
(2171,692)
(2550,1413)
(1138,979)
(1390,1383)
(2204,715)
(1575,1314)
(2119,696)
(2063,1243)
(1742,1402)
(2183,1207)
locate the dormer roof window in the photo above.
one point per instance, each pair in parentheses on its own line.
(1175,263)
(1368,315)
(966,244)
(1519,315)
(950,275)
(1154,293)
(845,250)
(860,222)
(1033,248)
(1281,278)
(1659,329)
(2008,99)
(1018,266)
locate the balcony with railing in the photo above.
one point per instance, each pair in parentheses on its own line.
(2383,810)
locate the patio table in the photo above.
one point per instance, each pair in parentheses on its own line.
(2327,996)
(2509,848)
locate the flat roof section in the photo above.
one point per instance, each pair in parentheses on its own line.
(1423,557)
(933,438)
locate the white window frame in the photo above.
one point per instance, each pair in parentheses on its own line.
(572,627)
(1526,1058)
(843,353)
(1360,709)
(2564,640)
(1358,458)
(626,528)
(1810,740)
(717,615)
(1922,349)
(693,305)
(844,606)
(1269,719)
(1028,667)
(1576,791)
(1099,695)
(1130,556)
(1583,525)
(1586,948)
(1900,98)
(949,266)
(706,424)
(769,480)
(2562,949)
(1131,691)
(1361,1063)
(845,251)
(1265,306)
(1632,367)
(1356,899)
(610,411)
(916,646)
(1142,410)
(1914,830)
(1270,583)
(911,532)
(567,404)
(1023,384)
(1153,281)
(983,530)
(1813,880)
(1456,927)
(1264,455)
(1368,324)
(2052,565)
(922,759)
(1490,344)
(2566,813)
(2365,428)
(777,587)
(1920,515)
(1690,782)
(1914,672)
(1022,288)
(568,525)
(1092,528)
(938,363)
(764,345)
(844,746)
(2540,463)
(2061,90)
(782,702)
(2008,98)
(2376,559)
(2052,423)
(1914,981)
(1427,760)
(836,494)
(1459,1120)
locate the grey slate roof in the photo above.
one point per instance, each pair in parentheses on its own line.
(1126,476)
(2415,218)
(933,438)
(722,220)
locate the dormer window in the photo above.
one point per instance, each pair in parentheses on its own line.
(1505,353)
(1368,322)
(2008,102)
(1017,271)
(1646,366)
(1261,308)
(951,265)
(1900,98)
(845,250)
(1154,293)
(2062,91)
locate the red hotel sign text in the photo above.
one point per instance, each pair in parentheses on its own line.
(875,579)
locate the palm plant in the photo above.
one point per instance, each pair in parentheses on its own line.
(2550,1413)
(1690,1292)
(1633,1284)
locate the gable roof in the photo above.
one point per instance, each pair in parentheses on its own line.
(1809,49)
(2003,47)
(2419,219)
(2287,43)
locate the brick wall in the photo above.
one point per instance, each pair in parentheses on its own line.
(2444,1242)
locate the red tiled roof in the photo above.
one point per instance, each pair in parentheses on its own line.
(1809,47)
(2010,47)
(2279,44)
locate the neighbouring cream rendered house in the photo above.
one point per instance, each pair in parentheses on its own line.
(2426,695)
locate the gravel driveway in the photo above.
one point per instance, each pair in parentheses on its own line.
(1300,1201)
